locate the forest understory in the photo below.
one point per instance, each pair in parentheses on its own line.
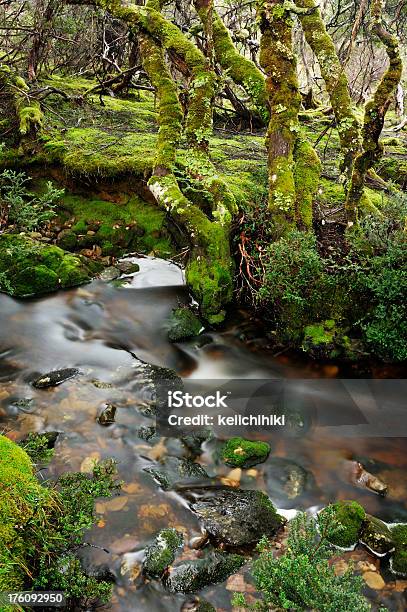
(257,152)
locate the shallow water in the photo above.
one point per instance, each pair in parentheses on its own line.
(101,329)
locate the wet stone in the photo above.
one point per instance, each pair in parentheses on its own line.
(238,518)
(172,470)
(109,274)
(107,416)
(54,378)
(197,605)
(183,324)
(161,553)
(128,267)
(191,576)
(287,480)
(376,535)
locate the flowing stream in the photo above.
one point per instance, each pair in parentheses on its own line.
(100,329)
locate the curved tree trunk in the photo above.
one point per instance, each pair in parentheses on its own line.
(240,69)
(335,80)
(278,61)
(375,112)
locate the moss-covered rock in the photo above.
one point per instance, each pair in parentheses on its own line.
(161,553)
(29,268)
(376,535)
(191,576)
(183,324)
(399,560)
(239,452)
(173,470)
(238,518)
(350,515)
(20,497)
(325,340)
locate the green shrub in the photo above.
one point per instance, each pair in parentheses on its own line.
(303,578)
(294,282)
(23,209)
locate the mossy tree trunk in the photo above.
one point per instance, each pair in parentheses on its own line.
(375,112)
(27,109)
(335,80)
(209,270)
(241,70)
(278,60)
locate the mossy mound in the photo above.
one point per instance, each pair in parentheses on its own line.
(21,496)
(399,560)
(29,268)
(124,225)
(182,324)
(350,515)
(326,340)
(239,452)
(161,553)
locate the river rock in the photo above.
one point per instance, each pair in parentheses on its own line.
(197,604)
(183,324)
(376,535)
(191,576)
(54,378)
(30,267)
(237,518)
(128,267)
(107,416)
(161,553)
(239,452)
(287,480)
(109,274)
(359,476)
(172,470)
(399,559)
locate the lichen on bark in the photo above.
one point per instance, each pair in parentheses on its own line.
(336,82)
(375,112)
(278,61)
(240,69)
(27,109)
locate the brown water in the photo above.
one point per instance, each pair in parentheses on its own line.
(94,328)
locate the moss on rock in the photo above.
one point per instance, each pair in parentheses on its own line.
(351,516)
(399,560)
(239,452)
(183,324)
(20,497)
(30,268)
(161,553)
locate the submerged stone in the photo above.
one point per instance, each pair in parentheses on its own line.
(238,518)
(376,535)
(239,452)
(54,378)
(161,553)
(107,416)
(172,470)
(287,480)
(29,267)
(191,576)
(183,324)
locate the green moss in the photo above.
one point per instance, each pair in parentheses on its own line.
(20,497)
(350,515)
(307,171)
(30,268)
(161,553)
(147,225)
(183,324)
(239,452)
(399,559)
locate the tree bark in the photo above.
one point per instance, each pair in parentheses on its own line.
(375,112)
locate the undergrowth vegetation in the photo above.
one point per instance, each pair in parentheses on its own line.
(360,285)
(303,577)
(52,521)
